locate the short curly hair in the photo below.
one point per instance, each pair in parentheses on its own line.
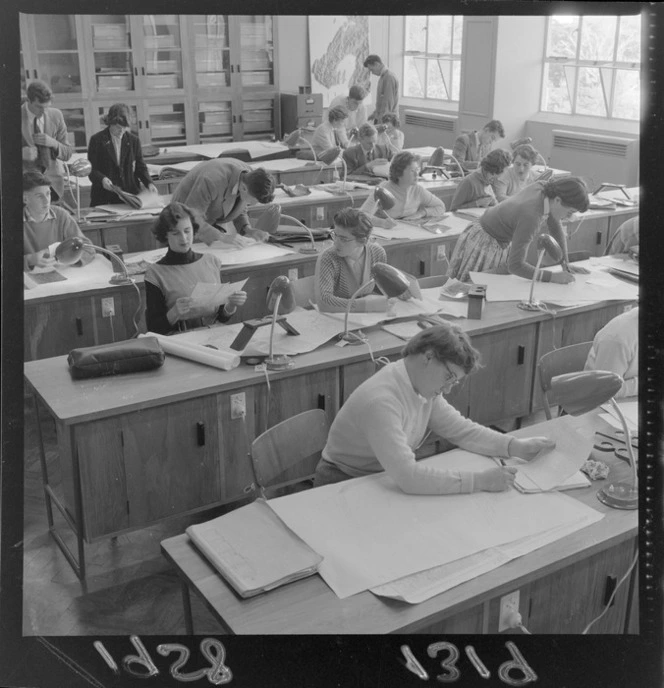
(33,179)
(357,93)
(448,343)
(527,152)
(118,113)
(337,114)
(38,90)
(170,216)
(260,185)
(357,222)
(496,161)
(495,127)
(367,129)
(391,118)
(399,163)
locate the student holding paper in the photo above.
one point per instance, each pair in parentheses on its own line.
(170,282)
(117,159)
(44,224)
(386,418)
(498,242)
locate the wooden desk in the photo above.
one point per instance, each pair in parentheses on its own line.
(562,588)
(128,443)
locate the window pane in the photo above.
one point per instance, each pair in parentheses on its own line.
(438,81)
(456,79)
(555,97)
(563,34)
(590,99)
(627,100)
(416,33)
(440,34)
(458,35)
(413,77)
(598,38)
(629,42)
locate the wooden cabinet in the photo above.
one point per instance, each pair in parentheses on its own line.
(187,79)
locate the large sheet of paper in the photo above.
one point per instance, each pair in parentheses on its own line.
(255,149)
(370,532)
(597,286)
(95,275)
(629,408)
(285,164)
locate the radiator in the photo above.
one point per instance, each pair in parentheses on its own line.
(423,128)
(596,157)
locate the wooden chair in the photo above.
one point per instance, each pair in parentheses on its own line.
(568,359)
(289,452)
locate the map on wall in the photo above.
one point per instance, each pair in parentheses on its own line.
(338,45)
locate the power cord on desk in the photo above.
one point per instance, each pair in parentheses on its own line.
(134,317)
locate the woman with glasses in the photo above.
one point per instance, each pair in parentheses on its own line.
(498,242)
(413,202)
(387,417)
(344,267)
(117,159)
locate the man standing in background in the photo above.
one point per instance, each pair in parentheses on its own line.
(387,91)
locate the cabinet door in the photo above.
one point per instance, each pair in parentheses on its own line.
(158,47)
(172,459)
(103,479)
(500,390)
(55,328)
(257,118)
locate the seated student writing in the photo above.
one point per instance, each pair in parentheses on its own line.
(170,281)
(362,158)
(616,348)
(331,135)
(385,419)
(344,267)
(475,190)
(44,224)
(498,241)
(413,202)
(390,133)
(518,175)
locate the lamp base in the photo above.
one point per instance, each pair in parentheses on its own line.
(309,250)
(619,496)
(121,279)
(279,363)
(530,305)
(354,338)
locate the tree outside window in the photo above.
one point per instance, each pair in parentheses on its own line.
(591,66)
(432,57)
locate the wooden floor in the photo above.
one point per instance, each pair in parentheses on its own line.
(129,587)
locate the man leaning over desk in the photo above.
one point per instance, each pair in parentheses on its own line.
(220,190)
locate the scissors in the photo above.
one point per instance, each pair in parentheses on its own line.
(608,445)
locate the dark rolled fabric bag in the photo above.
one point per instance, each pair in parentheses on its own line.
(129,356)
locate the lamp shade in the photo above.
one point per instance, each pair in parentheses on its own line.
(390,280)
(437,158)
(581,392)
(281,286)
(545,242)
(293,139)
(80,167)
(384,197)
(329,156)
(69,251)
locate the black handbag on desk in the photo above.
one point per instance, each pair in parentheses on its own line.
(129,356)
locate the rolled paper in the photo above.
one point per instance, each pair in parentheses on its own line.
(217,358)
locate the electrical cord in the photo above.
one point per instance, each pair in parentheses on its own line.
(134,317)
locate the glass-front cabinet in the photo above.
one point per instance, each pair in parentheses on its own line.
(186,78)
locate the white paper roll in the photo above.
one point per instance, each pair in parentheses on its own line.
(217,358)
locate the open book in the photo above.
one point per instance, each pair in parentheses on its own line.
(254,550)
(141,201)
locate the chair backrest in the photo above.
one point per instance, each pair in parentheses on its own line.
(303,291)
(289,452)
(568,359)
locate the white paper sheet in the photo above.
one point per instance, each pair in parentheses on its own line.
(595,287)
(255,149)
(95,275)
(213,295)
(630,409)
(215,358)
(370,532)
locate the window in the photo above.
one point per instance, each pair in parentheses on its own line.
(432,57)
(591,66)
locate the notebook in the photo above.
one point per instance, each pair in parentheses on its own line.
(524,484)
(254,550)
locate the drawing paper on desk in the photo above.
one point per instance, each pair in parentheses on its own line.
(140,201)
(630,409)
(254,550)
(45,276)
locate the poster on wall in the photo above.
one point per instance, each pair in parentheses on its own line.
(338,46)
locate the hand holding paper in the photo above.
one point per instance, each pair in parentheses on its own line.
(211,296)
(529,448)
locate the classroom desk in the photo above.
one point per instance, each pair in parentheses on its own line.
(127,443)
(562,587)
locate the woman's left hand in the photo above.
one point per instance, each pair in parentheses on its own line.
(530,447)
(237,298)
(579,269)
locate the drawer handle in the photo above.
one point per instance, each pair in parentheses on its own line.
(609,588)
(321,402)
(598,238)
(423,266)
(520,354)
(200,434)
(79,327)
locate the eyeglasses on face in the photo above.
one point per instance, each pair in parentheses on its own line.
(452,380)
(342,239)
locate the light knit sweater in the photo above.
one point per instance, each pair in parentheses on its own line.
(385,419)
(616,348)
(471,189)
(408,202)
(508,183)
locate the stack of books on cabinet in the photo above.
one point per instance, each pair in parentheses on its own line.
(110,36)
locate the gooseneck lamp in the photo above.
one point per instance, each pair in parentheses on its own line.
(390,280)
(384,200)
(545,244)
(295,138)
(305,249)
(69,252)
(280,300)
(582,392)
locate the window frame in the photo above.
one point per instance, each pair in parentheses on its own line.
(577,64)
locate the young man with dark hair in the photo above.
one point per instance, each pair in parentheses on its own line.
(361,159)
(44,136)
(471,147)
(387,90)
(220,190)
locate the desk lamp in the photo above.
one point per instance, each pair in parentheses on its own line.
(437,163)
(584,391)
(545,244)
(384,200)
(306,249)
(390,280)
(79,168)
(295,138)
(280,300)
(69,252)
(607,186)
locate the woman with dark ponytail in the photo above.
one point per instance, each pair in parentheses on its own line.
(498,242)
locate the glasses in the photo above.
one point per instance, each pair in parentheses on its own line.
(342,239)
(452,379)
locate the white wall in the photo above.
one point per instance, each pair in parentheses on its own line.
(293,49)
